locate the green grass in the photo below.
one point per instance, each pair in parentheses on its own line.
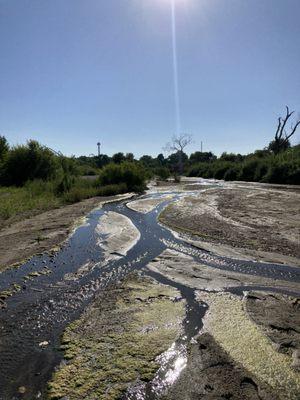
(15,201)
(39,196)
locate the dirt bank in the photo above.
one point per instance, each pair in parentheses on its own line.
(278,316)
(116,341)
(45,231)
(250,220)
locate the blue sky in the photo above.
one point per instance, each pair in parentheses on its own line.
(73,72)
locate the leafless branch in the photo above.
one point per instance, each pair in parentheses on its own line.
(179,143)
(281,133)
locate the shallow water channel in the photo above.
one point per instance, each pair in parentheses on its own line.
(46,303)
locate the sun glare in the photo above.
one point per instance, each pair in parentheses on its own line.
(175,2)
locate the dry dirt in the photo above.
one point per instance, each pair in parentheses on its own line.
(260,221)
(183,269)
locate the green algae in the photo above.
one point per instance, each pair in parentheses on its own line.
(117,340)
(36,274)
(5,294)
(246,344)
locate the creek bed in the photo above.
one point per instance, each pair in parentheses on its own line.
(43,302)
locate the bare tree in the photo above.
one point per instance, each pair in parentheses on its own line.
(282,137)
(178,144)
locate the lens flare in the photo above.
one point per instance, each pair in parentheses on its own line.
(175,68)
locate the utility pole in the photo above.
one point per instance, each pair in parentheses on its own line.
(201,146)
(99,147)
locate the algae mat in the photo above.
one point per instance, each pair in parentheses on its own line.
(234,331)
(117,340)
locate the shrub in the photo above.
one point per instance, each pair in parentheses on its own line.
(76,194)
(284,172)
(232,174)
(81,191)
(261,170)
(111,190)
(65,184)
(129,173)
(4,147)
(202,169)
(248,170)
(28,162)
(220,169)
(162,173)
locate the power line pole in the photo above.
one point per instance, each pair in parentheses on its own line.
(201,146)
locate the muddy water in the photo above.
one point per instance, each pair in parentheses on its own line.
(43,307)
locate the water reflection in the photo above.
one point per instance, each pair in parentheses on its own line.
(172,363)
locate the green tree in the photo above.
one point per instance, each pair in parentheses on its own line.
(199,156)
(148,161)
(29,162)
(163,173)
(129,173)
(129,157)
(4,148)
(118,158)
(177,145)
(161,159)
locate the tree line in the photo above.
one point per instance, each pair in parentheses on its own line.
(279,162)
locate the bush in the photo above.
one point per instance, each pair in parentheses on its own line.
(129,173)
(29,162)
(220,169)
(248,170)
(162,173)
(76,194)
(285,173)
(232,174)
(111,190)
(4,148)
(261,170)
(203,170)
(65,184)
(80,192)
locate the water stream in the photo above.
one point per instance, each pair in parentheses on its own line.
(46,303)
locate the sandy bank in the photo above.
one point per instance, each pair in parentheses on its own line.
(116,235)
(45,231)
(146,205)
